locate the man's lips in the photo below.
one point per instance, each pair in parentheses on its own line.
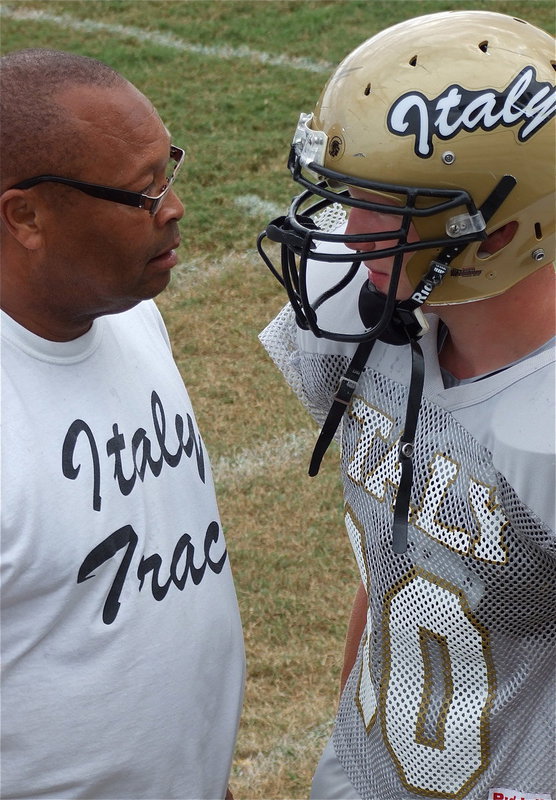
(167,258)
(378,274)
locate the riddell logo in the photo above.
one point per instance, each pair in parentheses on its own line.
(422,296)
(513,794)
(466,272)
(502,796)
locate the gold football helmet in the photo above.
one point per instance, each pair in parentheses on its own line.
(450,117)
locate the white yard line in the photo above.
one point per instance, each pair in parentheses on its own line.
(255,206)
(187,274)
(68,22)
(273,453)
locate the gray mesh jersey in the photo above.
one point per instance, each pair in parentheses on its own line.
(452,693)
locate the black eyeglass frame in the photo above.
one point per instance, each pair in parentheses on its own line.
(136,199)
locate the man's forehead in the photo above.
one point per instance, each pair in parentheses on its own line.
(117,124)
(119,109)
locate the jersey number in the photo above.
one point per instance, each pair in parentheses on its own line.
(437,687)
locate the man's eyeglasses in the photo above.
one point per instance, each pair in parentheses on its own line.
(148,202)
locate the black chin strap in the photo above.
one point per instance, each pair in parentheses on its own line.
(403,328)
(342,399)
(407,448)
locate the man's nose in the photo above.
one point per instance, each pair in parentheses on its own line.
(171,208)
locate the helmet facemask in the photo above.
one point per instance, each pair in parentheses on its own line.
(313,233)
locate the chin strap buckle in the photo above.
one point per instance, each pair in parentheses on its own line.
(345,390)
(407,449)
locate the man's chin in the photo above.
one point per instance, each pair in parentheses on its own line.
(157,284)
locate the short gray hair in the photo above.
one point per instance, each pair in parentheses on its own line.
(35,129)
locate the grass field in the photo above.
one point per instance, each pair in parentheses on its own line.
(230,79)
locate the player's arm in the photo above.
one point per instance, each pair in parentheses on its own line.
(356,626)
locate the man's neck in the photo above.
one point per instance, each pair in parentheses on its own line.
(48,328)
(490,334)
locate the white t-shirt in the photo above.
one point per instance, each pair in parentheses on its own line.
(123,661)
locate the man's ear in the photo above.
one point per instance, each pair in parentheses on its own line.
(20,214)
(498,239)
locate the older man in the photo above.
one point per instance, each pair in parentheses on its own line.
(122,646)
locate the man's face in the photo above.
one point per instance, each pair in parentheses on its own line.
(362,221)
(99,256)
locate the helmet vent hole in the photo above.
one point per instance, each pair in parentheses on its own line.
(413,61)
(484,46)
(553,64)
(538,231)
(367,90)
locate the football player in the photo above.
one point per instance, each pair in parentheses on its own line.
(418,260)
